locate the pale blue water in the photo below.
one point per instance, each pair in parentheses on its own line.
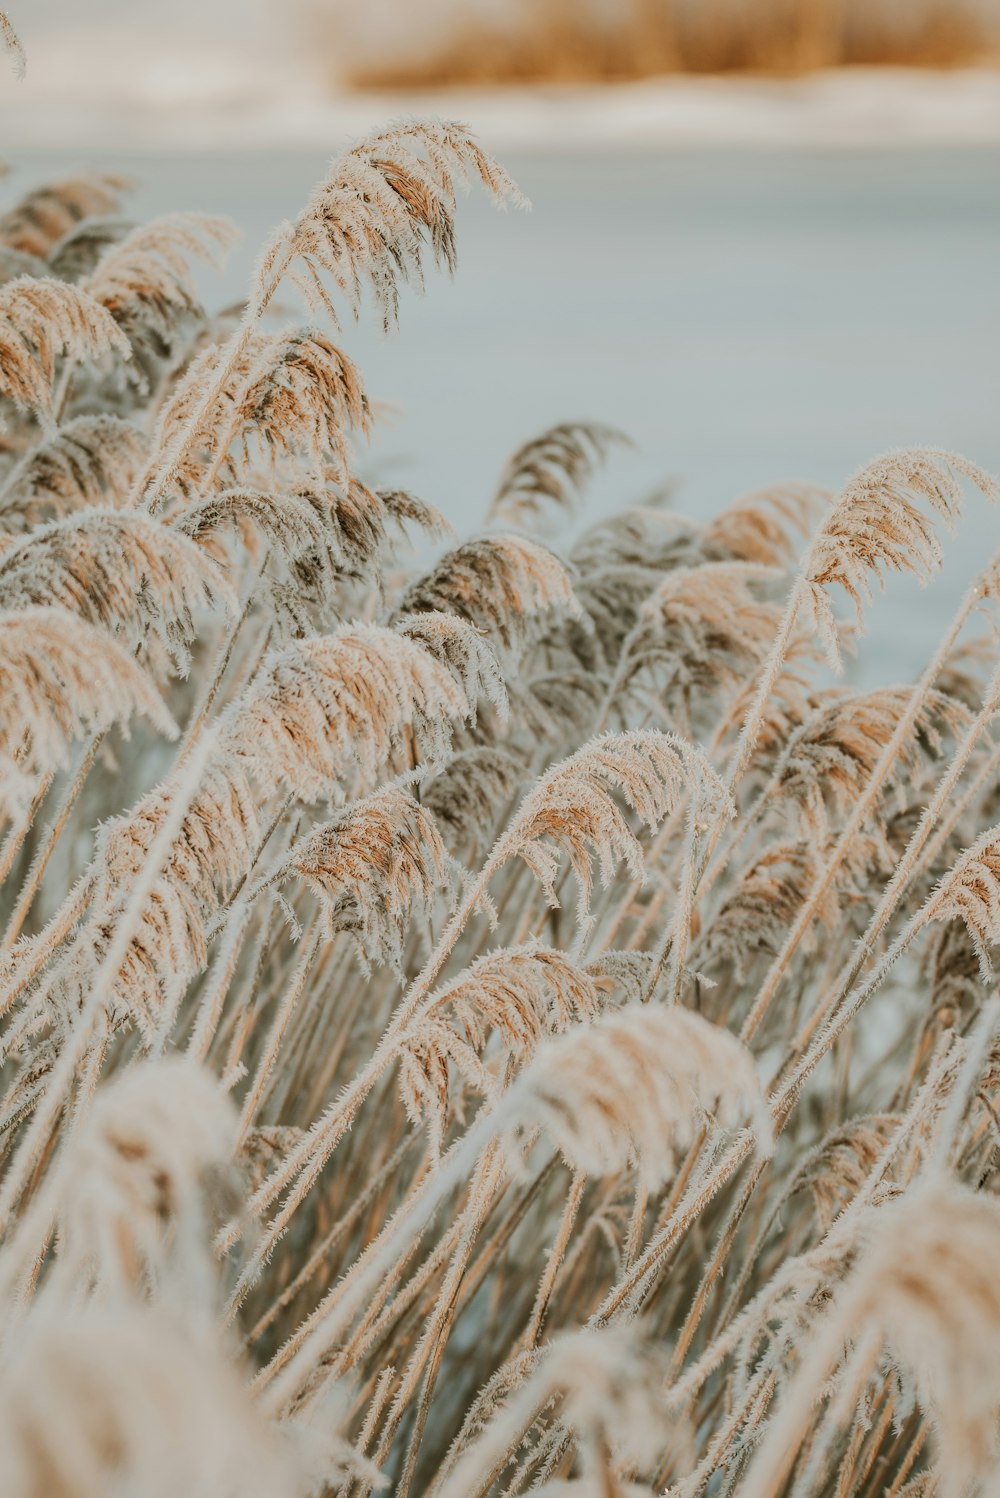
(747,316)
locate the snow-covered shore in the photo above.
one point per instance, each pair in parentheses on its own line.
(210,104)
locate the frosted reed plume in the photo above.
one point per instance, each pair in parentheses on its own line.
(485,1018)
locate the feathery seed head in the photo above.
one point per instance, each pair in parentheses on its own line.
(877,526)
(61,678)
(42,320)
(572,808)
(500,584)
(635,1086)
(551,471)
(151,1154)
(375,867)
(41,219)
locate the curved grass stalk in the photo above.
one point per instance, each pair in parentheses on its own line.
(863,809)
(79,1041)
(944,795)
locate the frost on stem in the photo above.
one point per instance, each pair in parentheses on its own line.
(827,763)
(602,1392)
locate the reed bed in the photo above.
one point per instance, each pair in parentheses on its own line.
(504,1023)
(441,43)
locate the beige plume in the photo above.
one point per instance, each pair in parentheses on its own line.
(114,568)
(970,893)
(550,473)
(521,994)
(501,584)
(89,461)
(766,527)
(376,867)
(877,526)
(41,320)
(347,698)
(41,219)
(146,283)
(12,45)
(635,1086)
(61,678)
(138,1199)
(573,809)
(386,202)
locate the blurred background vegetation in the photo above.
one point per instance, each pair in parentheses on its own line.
(434,43)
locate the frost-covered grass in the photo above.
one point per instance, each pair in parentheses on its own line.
(488,1024)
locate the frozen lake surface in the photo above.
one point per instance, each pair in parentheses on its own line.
(746,315)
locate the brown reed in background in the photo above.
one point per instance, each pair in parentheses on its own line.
(439,43)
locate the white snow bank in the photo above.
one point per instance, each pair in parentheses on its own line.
(218,106)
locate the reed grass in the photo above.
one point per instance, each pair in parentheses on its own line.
(447,43)
(504,1023)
